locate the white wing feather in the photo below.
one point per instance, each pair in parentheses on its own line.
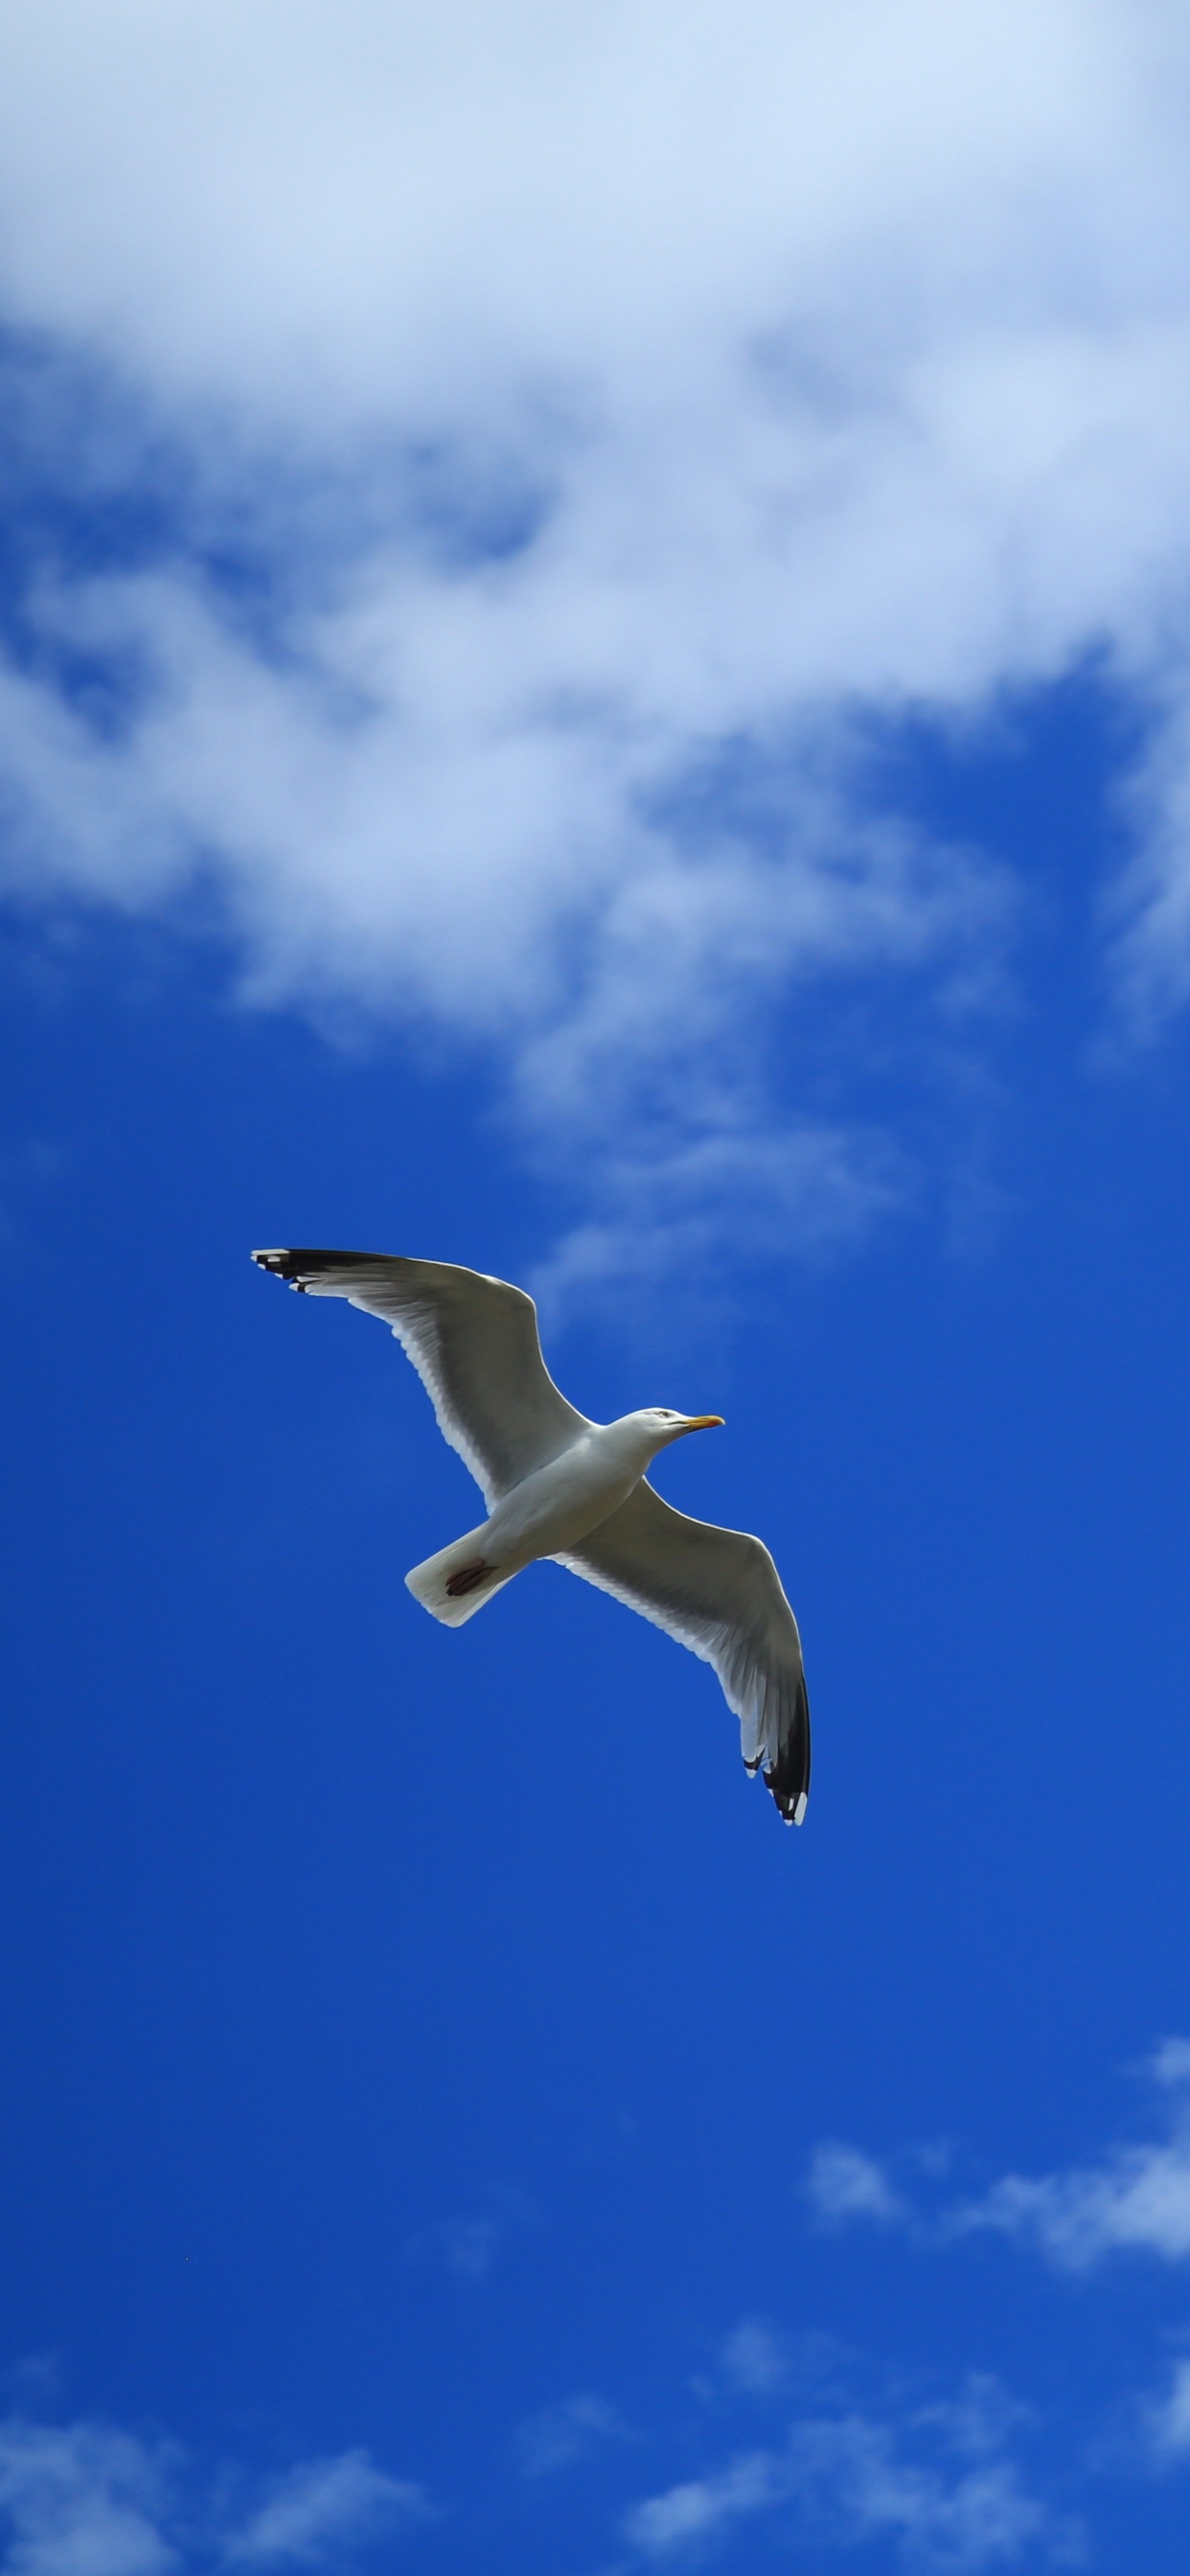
(718,1592)
(474,1344)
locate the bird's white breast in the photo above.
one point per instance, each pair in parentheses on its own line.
(560,1503)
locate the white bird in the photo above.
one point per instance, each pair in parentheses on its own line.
(557,1485)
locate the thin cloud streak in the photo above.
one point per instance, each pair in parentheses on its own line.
(87,2499)
(938,2485)
(1136,2198)
(1168,2422)
(562,2436)
(324,2509)
(843,2184)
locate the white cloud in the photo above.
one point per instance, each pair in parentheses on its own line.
(1169,2064)
(861,2482)
(560,2436)
(1136,2199)
(939,2486)
(471,2245)
(704,2505)
(617,411)
(845,2184)
(472,2241)
(754,2357)
(688,1211)
(86,2499)
(1169,2421)
(327,2508)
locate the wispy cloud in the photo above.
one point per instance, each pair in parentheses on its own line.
(938,2484)
(694,1208)
(1134,2197)
(844,2184)
(1167,2422)
(560,2436)
(754,2357)
(88,2499)
(704,2506)
(327,2509)
(473,2240)
(468,558)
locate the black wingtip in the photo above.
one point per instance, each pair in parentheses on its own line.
(287,1263)
(299,1266)
(788,1783)
(283,1265)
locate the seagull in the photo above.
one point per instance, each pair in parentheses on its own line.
(557,1485)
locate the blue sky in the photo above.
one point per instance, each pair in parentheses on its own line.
(593,681)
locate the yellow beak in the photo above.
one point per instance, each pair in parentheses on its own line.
(704,1422)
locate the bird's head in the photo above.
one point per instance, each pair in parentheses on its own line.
(659,1424)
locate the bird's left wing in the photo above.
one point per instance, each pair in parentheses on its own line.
(474,1344)
(719,1593)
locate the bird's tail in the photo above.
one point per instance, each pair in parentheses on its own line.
(430,1583)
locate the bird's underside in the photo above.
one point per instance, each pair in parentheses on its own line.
(474,1343)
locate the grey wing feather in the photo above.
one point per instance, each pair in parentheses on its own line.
(718,1592)
(474,1344)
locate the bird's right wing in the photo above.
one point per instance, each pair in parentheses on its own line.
(474,1344)
(719,1593)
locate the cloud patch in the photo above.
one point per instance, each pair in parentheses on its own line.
(87,2499)
(561,2436)
(471,2242)
(1135,2200)
(1168,2422)
(325,2510)
(938,2485)
(754,2358)
(844,2184)
(469,560)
